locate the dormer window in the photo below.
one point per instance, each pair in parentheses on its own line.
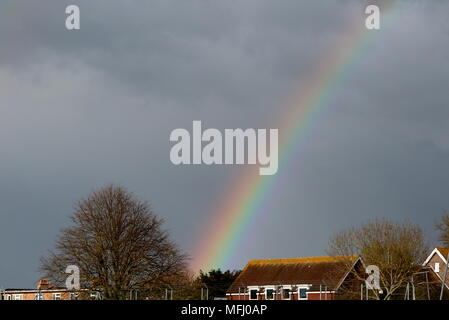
(437,267)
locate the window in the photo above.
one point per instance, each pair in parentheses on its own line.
(437,267)
(39,296)
(73,296)
(56,296)
(94,296)
(302,294)
(17,297)
(269,294)
(253,294)
(286,294)
(8,297)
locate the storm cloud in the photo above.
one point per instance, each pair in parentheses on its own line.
(81,109)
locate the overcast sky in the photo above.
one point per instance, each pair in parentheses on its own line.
(86,108)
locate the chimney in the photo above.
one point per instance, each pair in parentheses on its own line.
(43,284)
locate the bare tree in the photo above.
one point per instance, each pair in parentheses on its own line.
(117,243)
(398,249)
(443,228)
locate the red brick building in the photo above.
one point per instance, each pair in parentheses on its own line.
(317,278)
(44,291)
(437,261)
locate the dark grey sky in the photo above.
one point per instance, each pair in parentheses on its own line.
(96,106)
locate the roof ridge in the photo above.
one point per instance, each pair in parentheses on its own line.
(302,259)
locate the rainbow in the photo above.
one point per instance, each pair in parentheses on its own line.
(247,197)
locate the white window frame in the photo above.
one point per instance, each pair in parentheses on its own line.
(73,296)
(56,294)
(18,296)
(253,289)
(39,296)
(437,267)
(289,288)
(299,293)
(95,296)
(274,292)
(281,290)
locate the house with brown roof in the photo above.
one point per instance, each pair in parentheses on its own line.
(316,278)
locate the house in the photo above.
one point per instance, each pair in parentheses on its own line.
(317,278)
(44,291)
(436,261)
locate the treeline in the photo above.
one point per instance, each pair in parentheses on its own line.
(123,252)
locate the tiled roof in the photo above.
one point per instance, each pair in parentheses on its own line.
(327,271)
(443,251)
